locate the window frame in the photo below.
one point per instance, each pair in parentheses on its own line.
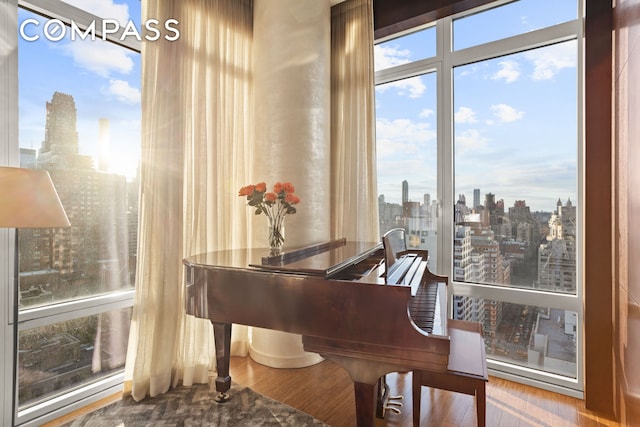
(55,407)
(444,62)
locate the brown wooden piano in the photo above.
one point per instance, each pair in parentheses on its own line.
(339,297)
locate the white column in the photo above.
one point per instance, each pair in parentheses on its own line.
(292,43)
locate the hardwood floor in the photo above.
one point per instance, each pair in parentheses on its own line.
(326,392)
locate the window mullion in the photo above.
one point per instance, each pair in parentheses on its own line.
(40,316)
(445,146)
(531,40)
(406,71)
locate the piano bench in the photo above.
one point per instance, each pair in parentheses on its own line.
(466,372)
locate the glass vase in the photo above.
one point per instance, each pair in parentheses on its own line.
(276,234)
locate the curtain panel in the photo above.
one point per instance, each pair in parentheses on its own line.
(197,151)
(196,131)
(353,157)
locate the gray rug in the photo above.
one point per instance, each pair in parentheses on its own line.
(194,406)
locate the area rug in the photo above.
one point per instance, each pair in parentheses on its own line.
(195,407)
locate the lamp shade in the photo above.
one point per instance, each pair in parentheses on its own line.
(28,199)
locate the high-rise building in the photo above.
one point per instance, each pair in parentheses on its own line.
(61,136)
(60,146)
(476,198)
(460,209)
(525,232)
(477,259)
(462,252)
(497,269)
(557,257)
(96,204)
(405,192)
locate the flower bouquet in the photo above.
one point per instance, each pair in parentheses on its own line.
(275,205)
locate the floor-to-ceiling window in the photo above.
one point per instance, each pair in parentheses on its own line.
(407,138)
(78,118)
(493,100)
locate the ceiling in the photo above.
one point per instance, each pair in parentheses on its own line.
(393,16)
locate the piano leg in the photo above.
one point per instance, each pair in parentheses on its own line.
(222,338)
(365,402)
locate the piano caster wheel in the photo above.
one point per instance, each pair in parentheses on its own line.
(221,397)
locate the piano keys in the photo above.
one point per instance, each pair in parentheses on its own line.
(335,295)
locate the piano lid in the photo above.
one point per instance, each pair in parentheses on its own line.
(333,258)
(324,259)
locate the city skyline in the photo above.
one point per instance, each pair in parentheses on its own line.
(94,256)
(103,78)
(515,117)
(469,198)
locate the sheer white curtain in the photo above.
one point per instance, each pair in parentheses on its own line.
(197,117)
(196,154)
(353,158)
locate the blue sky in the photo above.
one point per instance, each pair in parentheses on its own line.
(104,80)
(515,118)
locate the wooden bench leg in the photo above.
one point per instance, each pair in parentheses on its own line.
(481,403)
(442,381)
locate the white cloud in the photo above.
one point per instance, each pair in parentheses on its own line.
(406,149)
(123,92)
(465,115)
(389,56)
(402,136)
(469,140)
(103,9)
(549,61)
(99,57)
(412,87)
(426,113)
(469,70)
(509,71)
(506,113)
(404,130)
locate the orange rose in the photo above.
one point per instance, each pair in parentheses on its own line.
(288,187)
(246,191)
(261,187)
(270,197)
(278,187)
(292,199)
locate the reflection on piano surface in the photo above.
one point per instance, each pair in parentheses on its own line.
(339,296)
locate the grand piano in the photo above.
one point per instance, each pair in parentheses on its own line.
(372,311)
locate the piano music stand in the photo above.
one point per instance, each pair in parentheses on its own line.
(394,245)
